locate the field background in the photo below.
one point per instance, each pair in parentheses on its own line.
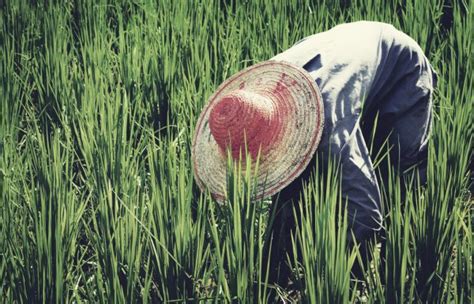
(98,103)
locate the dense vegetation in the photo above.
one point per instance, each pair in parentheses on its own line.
(98,103)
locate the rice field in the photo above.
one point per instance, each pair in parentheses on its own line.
(98,103)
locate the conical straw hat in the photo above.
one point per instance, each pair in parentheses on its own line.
(275,110)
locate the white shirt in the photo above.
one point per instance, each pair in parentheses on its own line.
(373,65)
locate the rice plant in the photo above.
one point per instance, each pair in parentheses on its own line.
(98,104)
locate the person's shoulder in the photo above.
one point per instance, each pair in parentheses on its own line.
(385,33)
(360,35)
(352,28)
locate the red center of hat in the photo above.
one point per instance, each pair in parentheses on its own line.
(244,118)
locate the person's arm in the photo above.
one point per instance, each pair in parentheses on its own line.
(359,187)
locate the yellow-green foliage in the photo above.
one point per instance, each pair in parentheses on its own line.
(98,103)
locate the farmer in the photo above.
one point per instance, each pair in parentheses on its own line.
(321,97)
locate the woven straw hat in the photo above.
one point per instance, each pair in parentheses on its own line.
(274,109)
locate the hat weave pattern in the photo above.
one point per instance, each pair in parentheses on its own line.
(272,110)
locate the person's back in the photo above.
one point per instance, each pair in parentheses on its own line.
(358,65)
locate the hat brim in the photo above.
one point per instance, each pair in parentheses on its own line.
(301,115)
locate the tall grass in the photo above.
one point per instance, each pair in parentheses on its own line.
(320,245)
(98,103)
